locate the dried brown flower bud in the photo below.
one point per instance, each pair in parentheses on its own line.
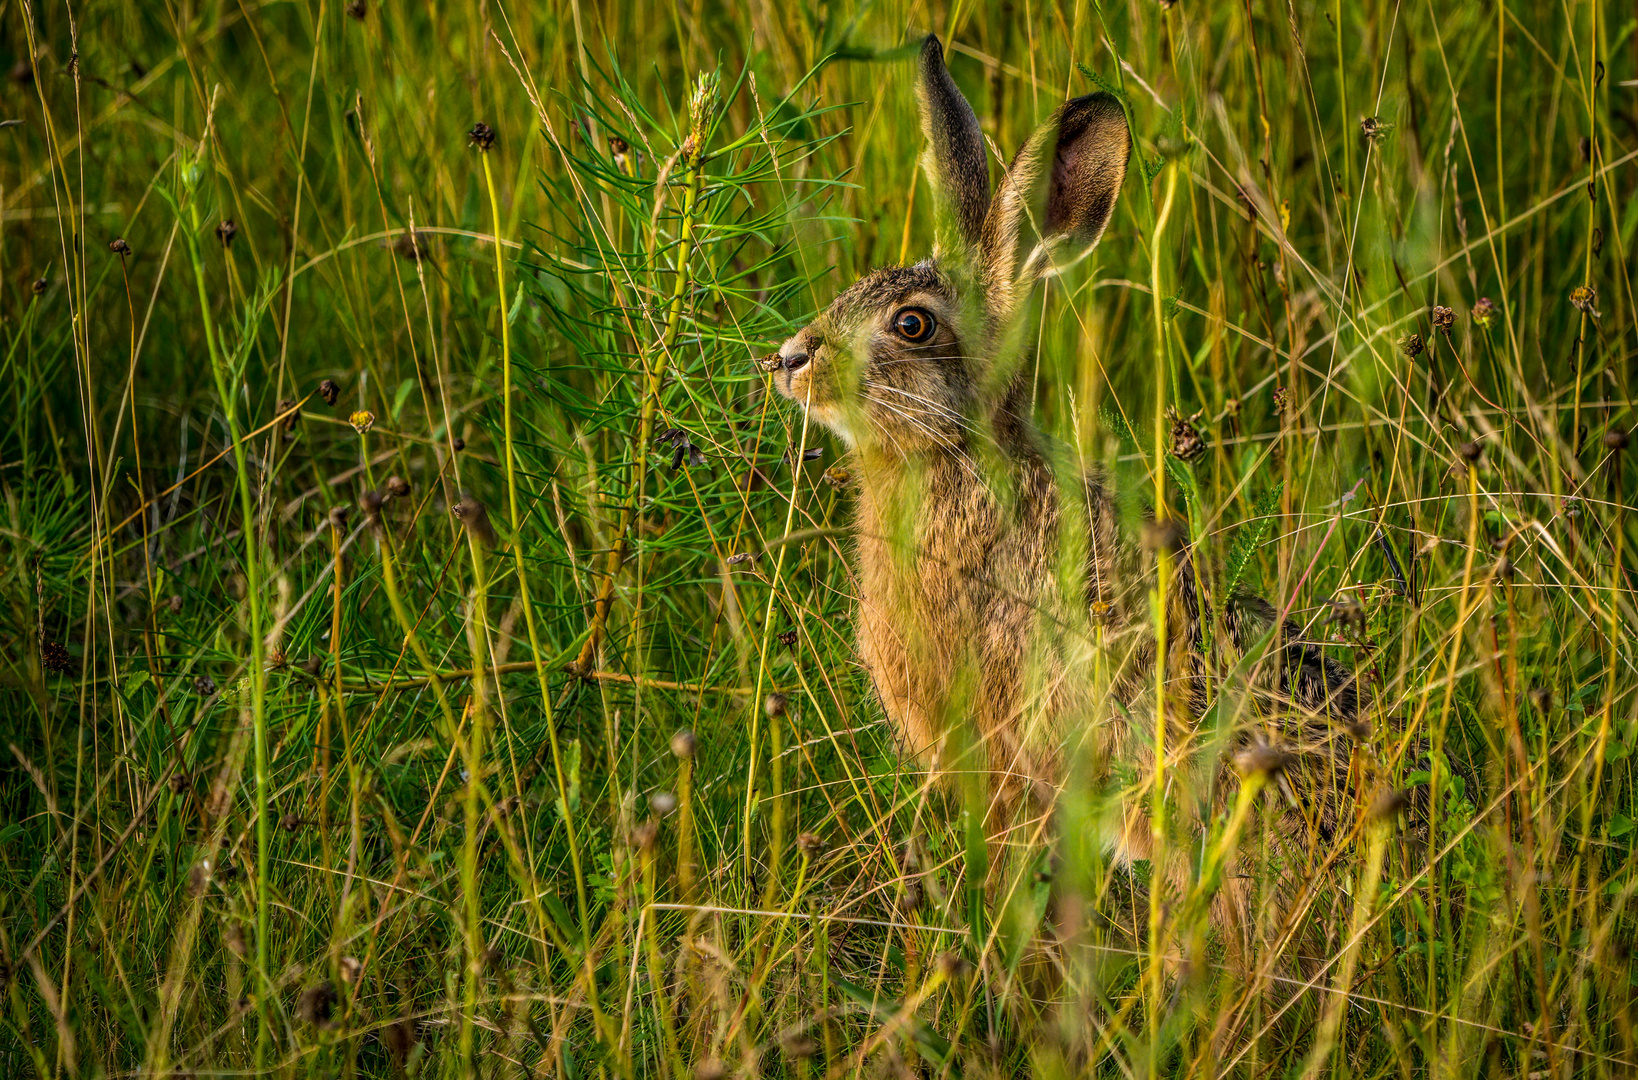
(1616,440)
(287,409)
(1282,399)
(1411,345)
(397,487)
(356,10)
(119,246)
(482,136)
(458,443)
(329,391)
(204,686)
(179,782)
(810,845)
(773,705)
(370,502)
(1484,311)
(1470,452)
(1585,299)
(1186,441)
(226,230)
(1444,319)
(39,286)
(55,659)
(683,743)
(338,517)
(740,558)
(788,638)
(175,604)
(291,823)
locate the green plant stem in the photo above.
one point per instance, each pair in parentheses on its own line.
(258,673)
(565,810)
(477,629)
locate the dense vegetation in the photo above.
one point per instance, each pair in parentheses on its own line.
(424,640)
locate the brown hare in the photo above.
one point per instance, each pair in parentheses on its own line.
(1000,608)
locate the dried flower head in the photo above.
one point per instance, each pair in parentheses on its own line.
(290,411)
(1470,452)
(351,969)
(683,743)
(682,448)
(226,230)
(1616,440)
(362,420)
(1444,319)
(475,516)
(1282,399)
(1374,128)
(1411,345)
(370,502)
(1585,299)
(329,391)
(1484,312)
(810,845)
(1186,441)
(662,802)
(837,477)
(644,836)
(774,705)
(482,136)
(204,686)
(740,558)
(356,10)
(55,659)
(119,246)
(39,286)
(396,487)
(338,518)
(788,638)
(458,444)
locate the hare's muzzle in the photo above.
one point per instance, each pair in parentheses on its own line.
(778,362)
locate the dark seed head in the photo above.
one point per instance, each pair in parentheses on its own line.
(54,656)
(290,823)
(683,743)
(204,686)
(226,230)
(482,136)
(1444,319)
(1616,440)
(291,414)
(397,487)
(458,443)
(1411,345)
(178,782)
(370,502)
(313,665)
(329,391)
(810,845)
(39,286)
(788,638)
(338,517)
(1470,451)
(356,10)
(119,246)
(1186,441)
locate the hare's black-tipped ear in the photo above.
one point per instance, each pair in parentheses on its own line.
(956,166)
(1056,199)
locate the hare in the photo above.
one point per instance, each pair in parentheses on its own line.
(1001,610)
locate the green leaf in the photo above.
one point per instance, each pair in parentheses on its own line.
(1250,536)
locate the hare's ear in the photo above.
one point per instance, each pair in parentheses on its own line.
(1056,198)
(954,161)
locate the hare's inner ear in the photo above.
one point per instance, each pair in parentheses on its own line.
(1056,199)
(955,163)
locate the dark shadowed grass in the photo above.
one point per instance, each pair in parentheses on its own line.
(267,515)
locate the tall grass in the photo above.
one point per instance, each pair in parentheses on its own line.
(560,761)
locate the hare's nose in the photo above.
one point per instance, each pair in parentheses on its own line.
(794,362)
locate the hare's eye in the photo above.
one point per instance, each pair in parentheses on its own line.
(913,324)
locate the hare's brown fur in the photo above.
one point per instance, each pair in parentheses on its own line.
(998,598)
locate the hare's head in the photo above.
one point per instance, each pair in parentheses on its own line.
(910,357)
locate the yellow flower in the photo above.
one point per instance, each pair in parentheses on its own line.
(362,420)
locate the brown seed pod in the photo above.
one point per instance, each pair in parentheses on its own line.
(397,487)
(458,443)
(356,10)
(204,686)
(55,659)
(39,286)
(1470,452)
(226,230)
(370,502)
(1411,345)
(1444,319)
(119,246)
(329,391)
(1186,441)
(810,845)
(1616,440)
(774,704)
(482,136)
(683,744)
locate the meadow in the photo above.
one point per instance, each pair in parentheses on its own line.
(426,642)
